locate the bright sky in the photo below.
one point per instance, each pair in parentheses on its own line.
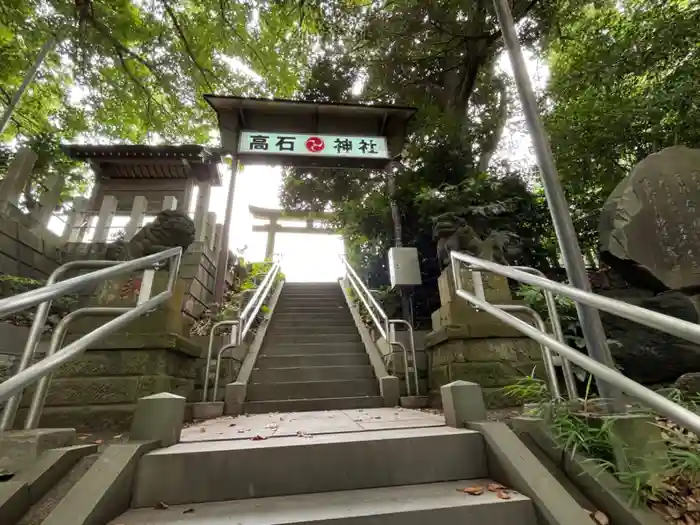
(305,257)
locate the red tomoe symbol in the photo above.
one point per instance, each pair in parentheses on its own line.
(315,144)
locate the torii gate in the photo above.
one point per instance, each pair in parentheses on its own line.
(315,223)
(308,135)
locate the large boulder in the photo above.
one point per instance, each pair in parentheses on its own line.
(648,226)
(648,355)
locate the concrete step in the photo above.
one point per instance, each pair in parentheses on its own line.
(312,389)
(312,309)
(314,373)
(317,328)
(308,405)
(405,505)
(271,340)
(340,315)
(271,347)
(266,362)
(306,321)
(241,469)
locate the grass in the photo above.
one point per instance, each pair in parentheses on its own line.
(673,491)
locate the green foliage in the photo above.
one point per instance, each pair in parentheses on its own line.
(667,489)
(623,85)
(236,299)
(133,72)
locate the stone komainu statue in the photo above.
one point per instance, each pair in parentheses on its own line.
(452,233)
(170,228)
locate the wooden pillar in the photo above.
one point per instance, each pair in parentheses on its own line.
(105,217)
(138,212)
(17,175)
(76,218)
(201,210)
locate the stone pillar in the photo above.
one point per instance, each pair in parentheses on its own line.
(218,232)
(76,218)
(471,345)
(201,210)
(169,203)
(138,212)
(270,246)
(104,219)
(17,175)
(210,230)
(49,200)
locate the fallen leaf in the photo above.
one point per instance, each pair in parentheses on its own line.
(232,424)
(476,490)
(160,506)
(495,487)
(188,511)
(502,494)
(600,518)
(257,438)
(202,429)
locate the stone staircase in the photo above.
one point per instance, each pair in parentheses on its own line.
(399,467)
(312,356)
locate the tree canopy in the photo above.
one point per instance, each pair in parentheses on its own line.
(622,86)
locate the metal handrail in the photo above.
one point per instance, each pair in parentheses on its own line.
(246,319)
(386,326)
(664,406)
(11,389)
(367,299)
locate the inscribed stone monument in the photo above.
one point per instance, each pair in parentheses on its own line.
(649,224)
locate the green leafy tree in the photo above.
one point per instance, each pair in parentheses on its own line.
(623,85)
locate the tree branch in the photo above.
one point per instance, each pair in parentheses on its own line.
(245,42)
(202,70)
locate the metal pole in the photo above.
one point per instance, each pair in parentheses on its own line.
(28,79)
(225,231)
(591,325)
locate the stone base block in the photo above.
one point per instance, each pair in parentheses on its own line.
(496,287)
(462,402)
(124,292)
(235,397)
(458,315)
(19,448)
(208,409)
(159,418)
(491,363)
(100,389)
(389,390)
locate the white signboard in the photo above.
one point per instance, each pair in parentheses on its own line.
(253,142)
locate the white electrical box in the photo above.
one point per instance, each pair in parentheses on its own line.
(404,269)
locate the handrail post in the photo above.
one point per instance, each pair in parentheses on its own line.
(239,328)
(17,383)
(567,372)
(35,332)
(591,324)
